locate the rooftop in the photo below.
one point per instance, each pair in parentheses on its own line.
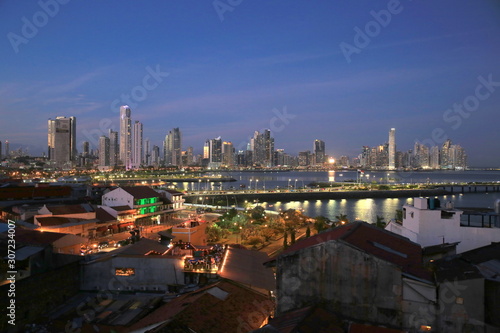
(222,307)
(246,267)
(141,192)
(69,209)
(373,240)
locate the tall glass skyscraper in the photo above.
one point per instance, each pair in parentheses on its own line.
(125,136)
(392,149)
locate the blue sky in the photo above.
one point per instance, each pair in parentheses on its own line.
(233,68)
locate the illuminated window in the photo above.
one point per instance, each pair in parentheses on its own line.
(459,300)
(425,328)
(125,271)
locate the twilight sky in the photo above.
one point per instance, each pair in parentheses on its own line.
(341,71)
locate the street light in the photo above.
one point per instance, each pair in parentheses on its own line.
(250,183)
(295,186)
(256,184)
(289,184)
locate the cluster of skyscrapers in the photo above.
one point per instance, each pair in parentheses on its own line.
(386,157)
(129,149)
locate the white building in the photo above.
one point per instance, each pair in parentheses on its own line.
(149,205)
(427,224)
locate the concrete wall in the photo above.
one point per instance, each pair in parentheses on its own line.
(466,317)
(344,280)
(151,273)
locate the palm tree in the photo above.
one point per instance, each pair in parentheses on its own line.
(380,222)
(320,223)
(341,220)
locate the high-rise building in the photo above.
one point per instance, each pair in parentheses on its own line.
(125,136)
(215,159)
(114,151)
(262,147)
(319,152)
(190,156)
(137,145)
(86,148)
(304,158)
(392,149)
(445,158)
(173,147)
(62,141)
(227,154)
(155,156)
(7,149)
(434,157)
(104,145)
(1,150)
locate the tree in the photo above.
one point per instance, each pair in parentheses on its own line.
(320,223)
(341,220)
(285,240)
(380,222)
(399,215)
(308,232)
(292,237)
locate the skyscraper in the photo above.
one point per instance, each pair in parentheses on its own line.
(61,141)
(114,151)
(392,149)
(227,154)
(215,153)
(173,147)
(137,145)
(125,136)
(104,145)
(7,152)
(319,152)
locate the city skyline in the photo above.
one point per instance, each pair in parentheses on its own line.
(306,71)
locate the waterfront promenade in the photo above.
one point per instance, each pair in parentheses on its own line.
(298,195)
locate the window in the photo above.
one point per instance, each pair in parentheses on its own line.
(120,271)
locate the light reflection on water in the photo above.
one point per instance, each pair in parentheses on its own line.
(368,209)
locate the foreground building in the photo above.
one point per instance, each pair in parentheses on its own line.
(428,224)
(358,271)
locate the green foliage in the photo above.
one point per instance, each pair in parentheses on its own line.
(293,219)
(215,233)
(399,215)
(320,223)
(341,219)
(255,240)
(380,222)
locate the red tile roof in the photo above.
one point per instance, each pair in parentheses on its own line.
(242,310)
(141,192)
(373,240)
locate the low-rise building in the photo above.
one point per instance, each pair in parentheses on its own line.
(358,271)
(468,291)
(427,223)
(143,266)
(150,206)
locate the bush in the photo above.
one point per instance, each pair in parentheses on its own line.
(255,240)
